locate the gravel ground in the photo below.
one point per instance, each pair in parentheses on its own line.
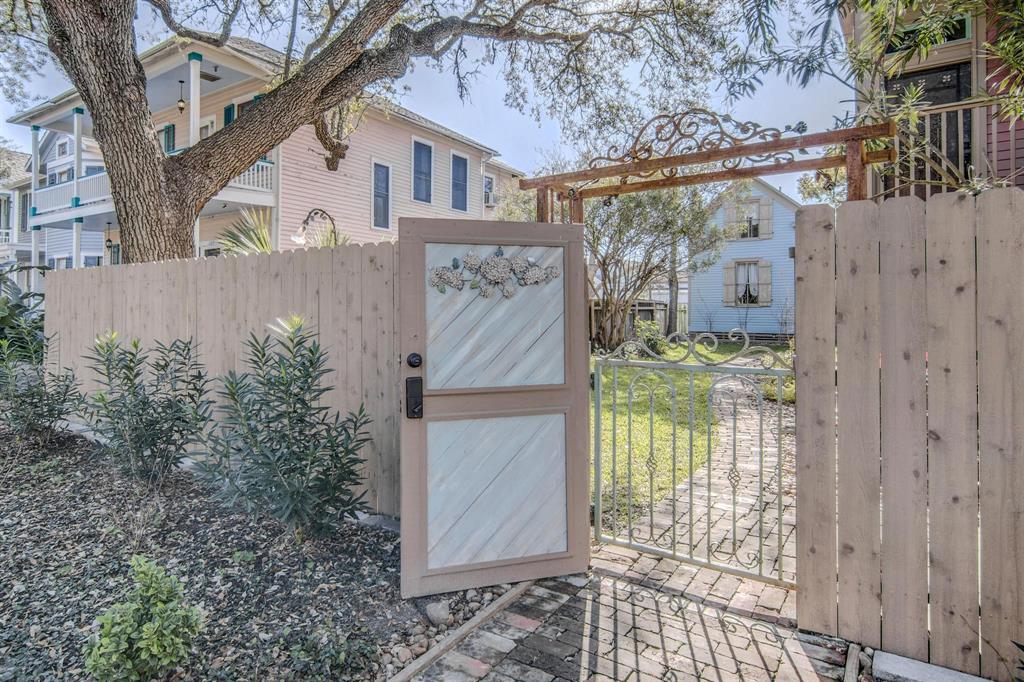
(69,522)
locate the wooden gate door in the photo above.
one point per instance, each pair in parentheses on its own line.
(495,403)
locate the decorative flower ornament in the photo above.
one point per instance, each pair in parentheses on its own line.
(495,274)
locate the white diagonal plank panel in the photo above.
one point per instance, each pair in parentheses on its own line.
(495,489)
(479,342)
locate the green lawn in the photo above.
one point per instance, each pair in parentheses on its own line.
(652,423)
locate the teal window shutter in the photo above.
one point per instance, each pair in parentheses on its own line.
(169,137)
(229,114)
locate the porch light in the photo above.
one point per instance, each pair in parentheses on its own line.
(181,97)
(109,243)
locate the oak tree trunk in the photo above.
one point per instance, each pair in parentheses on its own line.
(95,43)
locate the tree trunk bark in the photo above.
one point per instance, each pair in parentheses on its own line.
(94,41)
(672,321)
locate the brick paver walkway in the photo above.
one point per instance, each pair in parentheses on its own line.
(758,488)
(636,618)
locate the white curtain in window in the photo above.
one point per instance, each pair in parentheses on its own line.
(746,282)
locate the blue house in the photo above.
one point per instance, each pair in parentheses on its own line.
(751,286)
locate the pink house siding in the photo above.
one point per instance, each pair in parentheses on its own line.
(346,194)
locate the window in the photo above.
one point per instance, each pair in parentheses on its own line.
(62,148)
(381,196)
(209,251)
(746,283)
(960,29)
(422,170)
(93,261)
(169,137)
(206,127)
(490,199)
(460,182)
(94,170)
(51,179)
(115,254)
(241,107)
(943,85)
(748,220)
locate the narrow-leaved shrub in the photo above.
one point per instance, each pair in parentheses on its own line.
(151,405)
(277,449)
(648,332)
(148,635)
(33,399)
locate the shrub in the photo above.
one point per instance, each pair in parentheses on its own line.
(21,315)
(277,448)
(648,332)
(151,406)
(33,400)
(147,636)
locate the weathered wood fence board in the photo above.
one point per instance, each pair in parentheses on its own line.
(815,421)
(347,293)
(927,370)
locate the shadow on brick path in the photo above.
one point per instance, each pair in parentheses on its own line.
(636,618)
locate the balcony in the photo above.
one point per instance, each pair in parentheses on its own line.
(95,189)
(954,146)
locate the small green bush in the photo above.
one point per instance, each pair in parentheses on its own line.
(147,636)
(277,448)
(648,332)
(150,406)
(33,400)
(21,313)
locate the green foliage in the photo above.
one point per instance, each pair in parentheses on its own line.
(328,653)
(21,315)
(278,449)
(248,235)
(33,400)
(648,332)
(147,636)
(151,406)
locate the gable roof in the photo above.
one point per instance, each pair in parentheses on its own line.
(763,186)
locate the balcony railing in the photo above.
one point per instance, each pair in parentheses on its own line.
(955,146)
(95,188)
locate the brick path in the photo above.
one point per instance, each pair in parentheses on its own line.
(737,547)
(636,618)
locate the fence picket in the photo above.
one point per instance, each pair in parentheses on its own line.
(815,420)
(902,321)
(857,336)
(219,301)
(1001,427)
(952,431)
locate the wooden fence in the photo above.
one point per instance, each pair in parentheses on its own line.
(910,426)
(348,293)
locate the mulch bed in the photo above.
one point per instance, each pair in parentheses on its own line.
(69,523)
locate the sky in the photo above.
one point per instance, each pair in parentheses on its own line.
(520,139)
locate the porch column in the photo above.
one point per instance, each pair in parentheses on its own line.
(76,197)
(195,60)
(33,280)
(76,243)
(195,238)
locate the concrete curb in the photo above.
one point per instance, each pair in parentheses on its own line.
(450,642)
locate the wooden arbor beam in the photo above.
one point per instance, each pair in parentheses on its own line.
(845,136)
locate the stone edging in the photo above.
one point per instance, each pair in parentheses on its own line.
(450,642)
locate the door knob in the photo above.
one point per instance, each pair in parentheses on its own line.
(414,360)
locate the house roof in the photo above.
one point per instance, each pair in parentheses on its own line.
(501,165)
(765,187)
(271,61)
(13,164)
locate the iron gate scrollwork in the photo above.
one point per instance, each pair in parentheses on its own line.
(693,453)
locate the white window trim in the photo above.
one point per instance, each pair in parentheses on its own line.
(210,244)
(412,170)
(391,195)
(210,120)
(67,152)
(494,190)
(451,181)
(244,99)
(736,266)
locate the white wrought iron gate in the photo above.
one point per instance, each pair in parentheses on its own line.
(694,454)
